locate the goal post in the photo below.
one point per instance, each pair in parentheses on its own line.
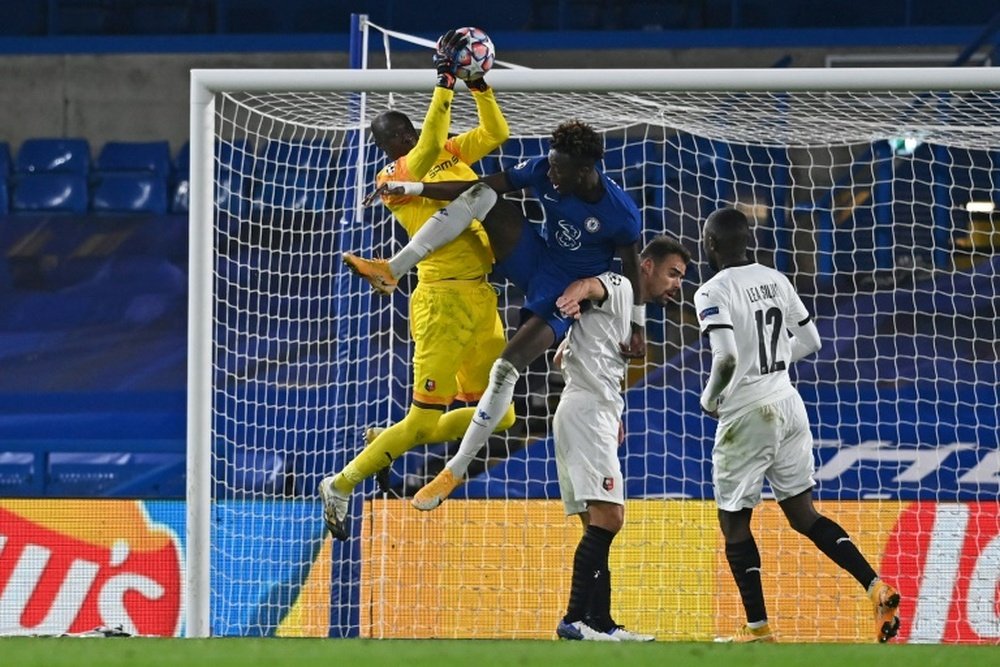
(862,185)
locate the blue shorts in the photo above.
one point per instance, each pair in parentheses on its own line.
(530,268)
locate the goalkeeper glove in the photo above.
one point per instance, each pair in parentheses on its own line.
(479,85)
(448,45)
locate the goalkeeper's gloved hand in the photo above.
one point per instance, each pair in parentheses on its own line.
(479,85)
(448,45)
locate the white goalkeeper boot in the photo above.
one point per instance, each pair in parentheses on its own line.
(335,505)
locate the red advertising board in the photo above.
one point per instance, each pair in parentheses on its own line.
(72,566)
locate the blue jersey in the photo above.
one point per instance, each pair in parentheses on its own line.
(577,240)
(581,236)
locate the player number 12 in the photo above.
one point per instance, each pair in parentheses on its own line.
(772,317)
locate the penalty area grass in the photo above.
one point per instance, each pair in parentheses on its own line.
(232,652)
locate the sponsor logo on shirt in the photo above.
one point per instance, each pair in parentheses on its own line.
(708,312)
(568,236)
(442,166)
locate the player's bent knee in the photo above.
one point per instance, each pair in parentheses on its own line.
(481,198)
(609,516)
(420,423)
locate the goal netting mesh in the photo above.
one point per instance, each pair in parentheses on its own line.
(875,203)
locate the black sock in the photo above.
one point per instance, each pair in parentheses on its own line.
(599,609)
(590,562)
(835,543)
(744,561)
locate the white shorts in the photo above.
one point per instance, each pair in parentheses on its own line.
(771,440)
(586,443)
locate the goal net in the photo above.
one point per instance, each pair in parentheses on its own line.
(872,190)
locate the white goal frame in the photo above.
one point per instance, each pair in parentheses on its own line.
(206,83)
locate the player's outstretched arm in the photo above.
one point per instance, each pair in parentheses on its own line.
(442,190)
(577,292)
(492,130)
(437,120)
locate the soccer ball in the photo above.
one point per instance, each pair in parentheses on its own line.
(475,58)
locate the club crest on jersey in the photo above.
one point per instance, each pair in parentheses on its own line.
(708,312)
(430,385)
(608,484)
(592,224)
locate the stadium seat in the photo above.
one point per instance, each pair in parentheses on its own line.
(52,192)
(180,187)
(182,161)
(130,192)
(5,161)
(54,155)
(4,177)
(148,156)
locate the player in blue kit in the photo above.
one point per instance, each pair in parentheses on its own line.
(588,221)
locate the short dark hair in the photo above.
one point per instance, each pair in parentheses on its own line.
(578,140)
(662,247)
(730,227)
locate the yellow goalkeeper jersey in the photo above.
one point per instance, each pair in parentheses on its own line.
(437,158)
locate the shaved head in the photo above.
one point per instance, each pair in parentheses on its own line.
(726,237)
(394,133)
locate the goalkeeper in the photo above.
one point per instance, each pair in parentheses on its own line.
(456,331)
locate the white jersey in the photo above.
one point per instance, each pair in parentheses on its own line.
(592,359)
(758,304)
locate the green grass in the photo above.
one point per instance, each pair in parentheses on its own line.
(135,652)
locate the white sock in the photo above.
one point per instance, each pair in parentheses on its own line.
(492,406)
(444,227)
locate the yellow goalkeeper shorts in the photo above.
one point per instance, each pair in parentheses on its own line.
(457,335)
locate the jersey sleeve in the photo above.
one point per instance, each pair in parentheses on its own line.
(712,305)
(433,134)
(796,312)
(491,132)
(527,172)
(619,298)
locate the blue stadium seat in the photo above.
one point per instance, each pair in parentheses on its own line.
(130,192)
(53,192)
(4,177)
(150,156)
(54,155)
(182,161)
(5,161)
(313,154)
(180,186)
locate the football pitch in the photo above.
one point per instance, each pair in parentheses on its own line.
(136,652)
